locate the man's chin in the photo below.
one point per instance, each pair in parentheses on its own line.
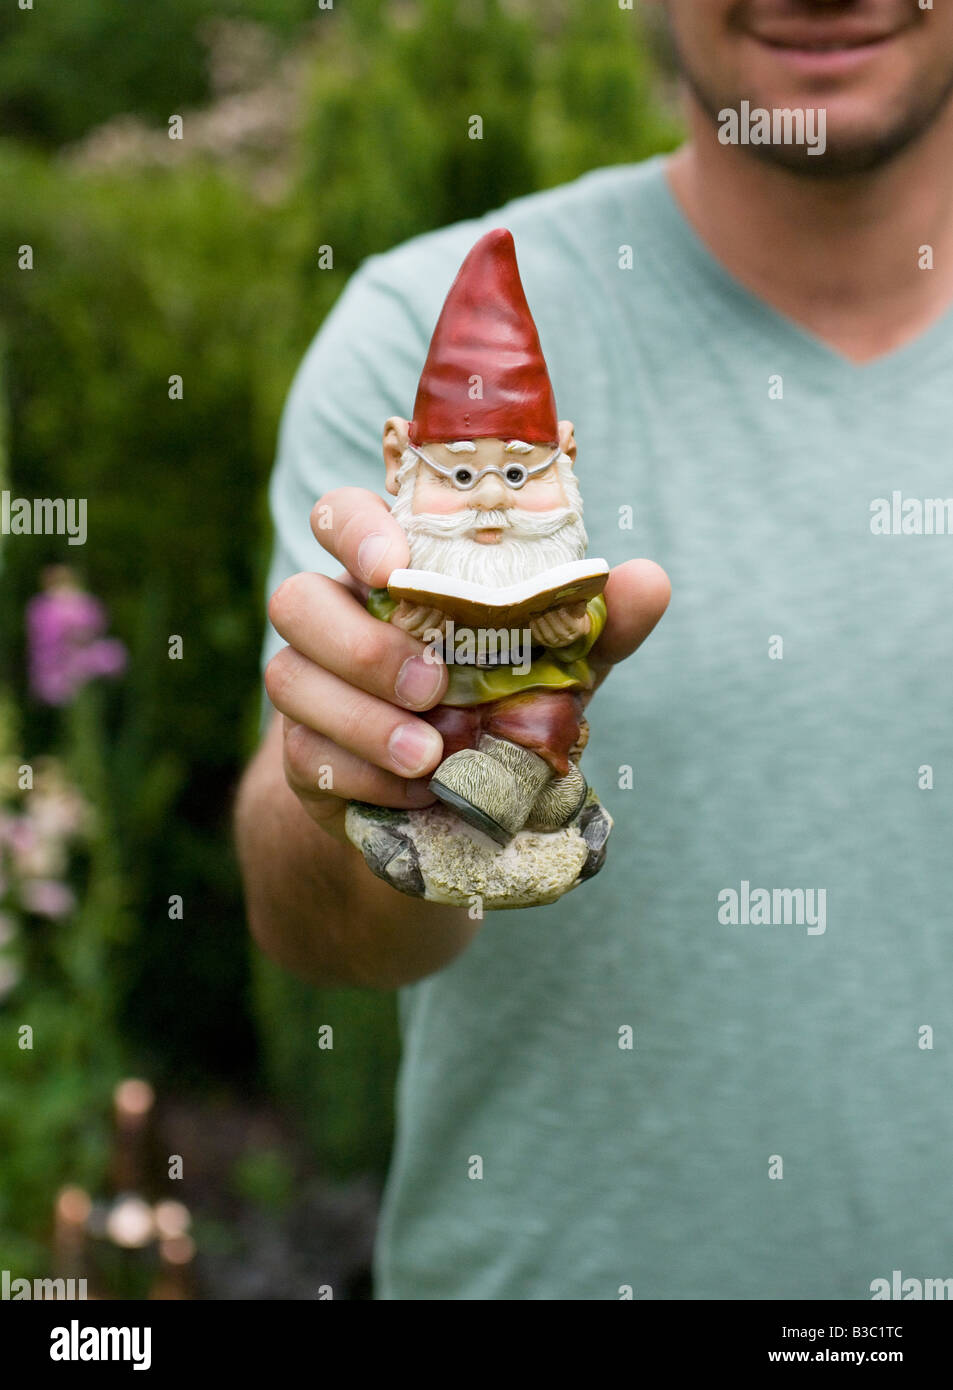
(867,121)
(848,151)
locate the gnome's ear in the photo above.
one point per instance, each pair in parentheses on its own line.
(396,439)
(567,439)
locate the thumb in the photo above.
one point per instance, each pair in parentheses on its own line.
(636,594)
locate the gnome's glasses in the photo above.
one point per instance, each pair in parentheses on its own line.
(464,477)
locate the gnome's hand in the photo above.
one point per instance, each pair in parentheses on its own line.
(559,627)
(419,621)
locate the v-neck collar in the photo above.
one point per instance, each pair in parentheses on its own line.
(829,369)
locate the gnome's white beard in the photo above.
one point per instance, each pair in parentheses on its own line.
(530,543)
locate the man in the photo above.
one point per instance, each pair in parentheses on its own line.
(718,1070)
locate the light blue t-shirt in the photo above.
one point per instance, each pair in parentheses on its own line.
(682,1080)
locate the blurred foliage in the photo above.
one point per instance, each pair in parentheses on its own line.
(60,1047)
(155,259)
(343,1095)
(66,68)
(264,1177)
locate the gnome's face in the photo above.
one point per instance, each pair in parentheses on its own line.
(484,416)
(541,492)
(491,533)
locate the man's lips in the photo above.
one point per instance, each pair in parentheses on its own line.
(823,47)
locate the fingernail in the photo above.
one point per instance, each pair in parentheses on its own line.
(369,552)
(418,681)
(414,747)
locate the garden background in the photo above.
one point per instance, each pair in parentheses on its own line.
(137,1020)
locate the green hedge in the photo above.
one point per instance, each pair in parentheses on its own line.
(204,265)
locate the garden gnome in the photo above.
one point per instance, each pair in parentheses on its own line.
(486,494)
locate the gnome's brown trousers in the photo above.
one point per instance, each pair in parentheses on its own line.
(547,722)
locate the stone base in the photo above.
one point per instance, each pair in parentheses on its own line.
(433,854)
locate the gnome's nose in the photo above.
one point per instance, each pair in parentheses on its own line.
(491,493)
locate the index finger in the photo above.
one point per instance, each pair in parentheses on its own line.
(357,528)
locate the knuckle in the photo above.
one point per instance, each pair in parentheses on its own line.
(322,808)
(370,649)
(285,600)
(299,751)
(280,675)
(353,723)
(307,758)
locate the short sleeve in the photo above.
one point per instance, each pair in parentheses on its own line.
(362,367)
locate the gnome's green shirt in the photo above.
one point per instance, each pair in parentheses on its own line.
(557,668)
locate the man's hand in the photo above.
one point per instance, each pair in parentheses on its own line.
(347,683)
(636,594)
(347,687)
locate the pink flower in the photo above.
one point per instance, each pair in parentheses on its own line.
(47,897)
(59,812)
(18,833)
(9,977)
(66,645)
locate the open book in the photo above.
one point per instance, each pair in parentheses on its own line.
(475,605)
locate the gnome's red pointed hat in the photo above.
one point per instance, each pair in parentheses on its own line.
(485,330)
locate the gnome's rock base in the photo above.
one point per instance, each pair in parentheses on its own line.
(433,854)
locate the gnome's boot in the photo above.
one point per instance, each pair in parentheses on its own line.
(492,787)
(559,802)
